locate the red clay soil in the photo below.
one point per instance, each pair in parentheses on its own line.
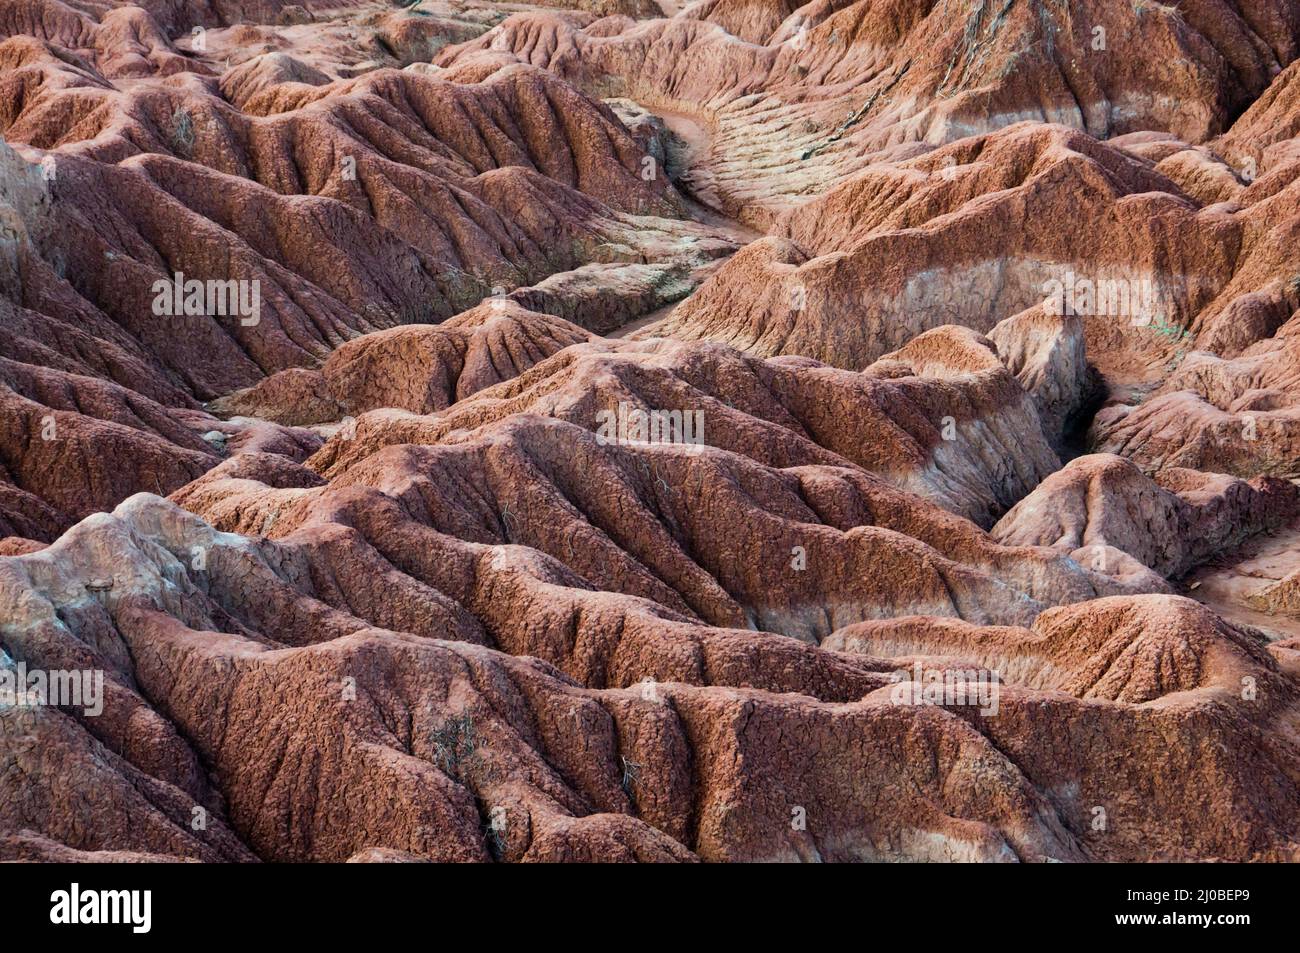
(614,430)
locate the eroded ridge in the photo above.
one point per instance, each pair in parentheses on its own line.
(622,430)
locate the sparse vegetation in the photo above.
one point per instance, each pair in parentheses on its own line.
(182,138)
(631,774)
(455,744)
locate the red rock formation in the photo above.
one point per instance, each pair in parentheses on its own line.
(336,209)
(421,368)
(1101,506)
(479,733)
(796,94)
(753,431)
(963,434)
